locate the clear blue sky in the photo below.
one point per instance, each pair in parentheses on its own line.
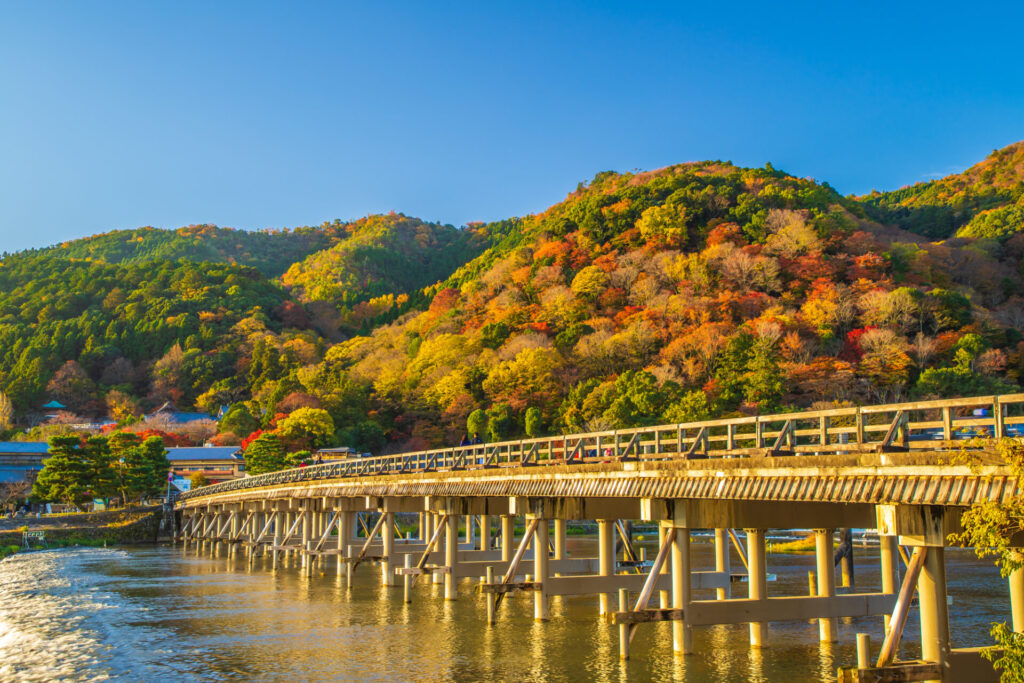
(252,115)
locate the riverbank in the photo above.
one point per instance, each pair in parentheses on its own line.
(131,526)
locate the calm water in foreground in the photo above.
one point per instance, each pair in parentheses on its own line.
(161,614)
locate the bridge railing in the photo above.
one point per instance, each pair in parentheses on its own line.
(920,425)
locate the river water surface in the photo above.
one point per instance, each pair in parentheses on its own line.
(160,614)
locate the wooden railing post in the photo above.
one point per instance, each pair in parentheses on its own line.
(998,419)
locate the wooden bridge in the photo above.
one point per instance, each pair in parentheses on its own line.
(897,468)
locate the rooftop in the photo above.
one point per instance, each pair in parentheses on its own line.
(204,453)
(29,447)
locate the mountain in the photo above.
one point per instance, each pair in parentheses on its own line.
(269,251)
(985,201)
(695,290)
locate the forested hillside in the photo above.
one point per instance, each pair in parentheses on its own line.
(271,252)
(985,201)
(696,290)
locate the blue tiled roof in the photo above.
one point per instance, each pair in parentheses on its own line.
(30,447)
(203,453)
(181,417)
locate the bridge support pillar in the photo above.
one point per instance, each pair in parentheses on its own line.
(931,591)
(485,532)
(438,579)
(664,597)
(559,539)
(451,556)
(1017,600)
(826,580)
(682,632)
(888,551)
(508,528)
(306,524)
(470,529)
(278,531)
(757,582)
(606,560)
(722,562)
(540,568)
(387,533)
(346,520)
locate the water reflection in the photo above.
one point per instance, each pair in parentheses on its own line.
(159,613)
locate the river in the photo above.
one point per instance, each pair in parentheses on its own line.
(157,613)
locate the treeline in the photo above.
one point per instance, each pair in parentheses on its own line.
(80,469)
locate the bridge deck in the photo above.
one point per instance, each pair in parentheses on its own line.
(910,478)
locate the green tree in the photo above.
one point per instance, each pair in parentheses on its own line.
(299,458)
(501,423)
(238,421)
(691,407)
(101,480)
(265,454)
(589,283)
(130,469)
(533,422)
(63,476)
(154,455)
(476,423)
(764,377)
(6,412)
(664,225)
(307,428)
(365,436)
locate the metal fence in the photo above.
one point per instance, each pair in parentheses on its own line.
(921,425)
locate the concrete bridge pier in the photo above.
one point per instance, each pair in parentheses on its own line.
(306,533)
(826,580)
(682,577)
(606,561)
(888,550)
(1017,600)
(931,591)
(540,569)
(757,582)
(485,532)
(451,556)
(279,529)
(438,578)
(507,532)
(664,596)
(387,533)
(346,523)
(722,562)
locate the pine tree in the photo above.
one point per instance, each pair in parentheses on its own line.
(127,463)
(63,475)
(265,454)
(157,465)
(100,478)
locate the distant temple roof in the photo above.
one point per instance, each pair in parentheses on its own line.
(24,447)
(54,405)
(168,410)
(203,453)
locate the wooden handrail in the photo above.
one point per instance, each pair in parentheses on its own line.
(870,429)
